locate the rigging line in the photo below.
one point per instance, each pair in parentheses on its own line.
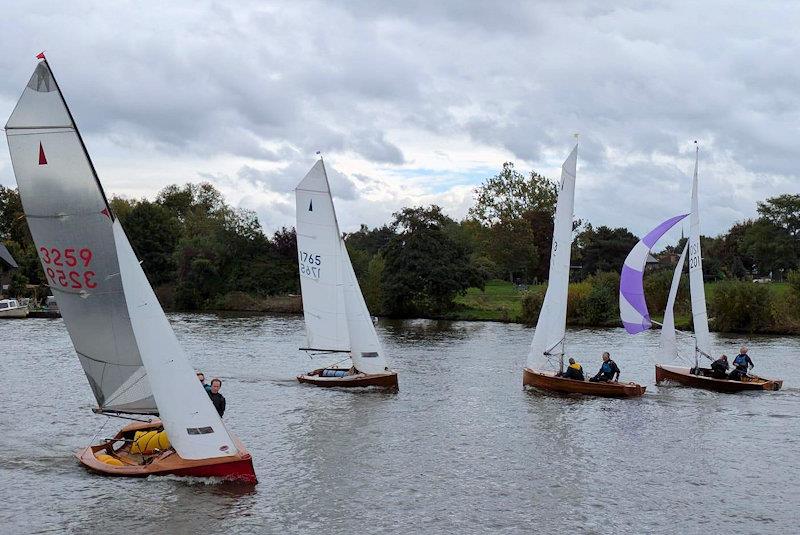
(120,393)
(96,433)
(107,362)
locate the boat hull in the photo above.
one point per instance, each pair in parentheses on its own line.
(14,313)
(235,468)
(381,380)
(548,381)
(683,376)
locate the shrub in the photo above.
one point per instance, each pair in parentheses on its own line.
(793,278)
(532,301)
(738,306)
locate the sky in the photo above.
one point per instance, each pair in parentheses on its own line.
(418,102)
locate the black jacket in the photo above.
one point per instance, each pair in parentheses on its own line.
(219,402)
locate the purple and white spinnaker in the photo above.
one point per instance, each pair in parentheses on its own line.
(632,305)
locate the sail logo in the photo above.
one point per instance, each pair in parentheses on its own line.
(311,205)
(42,157)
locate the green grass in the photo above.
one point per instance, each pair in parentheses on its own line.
(499,301)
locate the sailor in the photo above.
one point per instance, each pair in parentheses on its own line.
(719,368)
(741,364)
(202,377)
(573,371)
(216,398)
(609,371)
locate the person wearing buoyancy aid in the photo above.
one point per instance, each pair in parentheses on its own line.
(573,371)
(719,368)
(609,371)
(741,365)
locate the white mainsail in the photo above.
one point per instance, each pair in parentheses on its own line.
(128,350)
(697,289)
(335,312)
(668,346)
(548,338)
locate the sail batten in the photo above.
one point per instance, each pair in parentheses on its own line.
(551,325)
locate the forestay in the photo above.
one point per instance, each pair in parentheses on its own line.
(336,315)
(668,346)
(632,304)
(71,225)
(696,287)
(548,338)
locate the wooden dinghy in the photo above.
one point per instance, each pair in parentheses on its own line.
(336,316)
(123,340)
(123,455)
(381,380)
(548,381)
(685,377)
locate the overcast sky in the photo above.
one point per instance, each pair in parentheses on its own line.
(417,102)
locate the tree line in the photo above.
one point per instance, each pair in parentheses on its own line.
(198,251)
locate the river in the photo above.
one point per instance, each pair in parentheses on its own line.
(460,448)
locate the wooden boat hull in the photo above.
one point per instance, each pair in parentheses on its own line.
(683,376)
(381,380)
(548,381)
(236,468)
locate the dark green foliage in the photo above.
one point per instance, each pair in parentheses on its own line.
(424,268)
(603,249)
(740,307)
(601,305)
(782,211)
(532,303)
(793,278)
(153,233)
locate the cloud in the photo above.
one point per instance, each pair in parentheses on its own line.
(417,102)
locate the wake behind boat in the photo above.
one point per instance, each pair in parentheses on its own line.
(549,337)
(336,316)
(131,357)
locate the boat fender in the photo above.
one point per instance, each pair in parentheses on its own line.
(108,459)
(147,442)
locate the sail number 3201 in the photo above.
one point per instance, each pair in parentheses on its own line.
(310,264)
(57,264)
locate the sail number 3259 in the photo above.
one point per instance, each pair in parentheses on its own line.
(310,264)
(57,263)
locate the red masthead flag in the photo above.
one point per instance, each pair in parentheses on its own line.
(40,55)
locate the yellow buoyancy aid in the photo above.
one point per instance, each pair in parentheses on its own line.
(576,366)
(108,459)
(147,442)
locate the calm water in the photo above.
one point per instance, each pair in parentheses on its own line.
(461,448)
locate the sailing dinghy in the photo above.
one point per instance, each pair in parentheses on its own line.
(336,316)
(697,376)
(131,357)
(549,338)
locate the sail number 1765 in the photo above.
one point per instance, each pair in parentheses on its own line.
(310,264)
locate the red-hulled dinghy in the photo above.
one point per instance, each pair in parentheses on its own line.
(124,342)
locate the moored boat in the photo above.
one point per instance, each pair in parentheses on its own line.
(12,308)
(129,353)
(701,378)
(336,317)
(548,346)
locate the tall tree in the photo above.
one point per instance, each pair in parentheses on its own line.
(783,211)
(509,195)
(603,249)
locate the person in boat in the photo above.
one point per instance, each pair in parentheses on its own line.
(202,377)
(573,371)
(609,371)
(216,398)
(741,365)
(719,368)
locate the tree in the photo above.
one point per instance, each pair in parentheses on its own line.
(782,211)
(509,195)
(424,268)
(604,249)
(153,233)
(770,246)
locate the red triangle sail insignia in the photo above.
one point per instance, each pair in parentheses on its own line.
(42,157)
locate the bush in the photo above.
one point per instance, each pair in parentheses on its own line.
(600,306)
(793,278)
(738,306)
(532,302)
